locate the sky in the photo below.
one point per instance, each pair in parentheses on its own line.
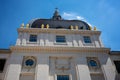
(104,14)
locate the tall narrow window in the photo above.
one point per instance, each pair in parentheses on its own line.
(62,77)
(87,39)
(2,64)
(60,39)
(33,38)
(117,65)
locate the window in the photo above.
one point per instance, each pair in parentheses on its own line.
(117,64)
(62,77)
(29,61)
(92,63)
(33,38)
(97,76)
(87,39)
(60,39)
(2,64)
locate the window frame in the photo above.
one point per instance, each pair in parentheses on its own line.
(33,38)
(63,75)
(90,65)
(62,40)
(87,39)
(25,58)
(98,66)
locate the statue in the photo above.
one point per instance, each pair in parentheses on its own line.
(76,27)
(95,28)
(42,26)
(27,25)
(47,26)
(22,25)
(71,27)
(90,28)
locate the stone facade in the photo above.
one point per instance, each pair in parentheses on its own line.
(47,59)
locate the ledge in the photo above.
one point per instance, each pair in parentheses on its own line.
(57,49)
(62,31)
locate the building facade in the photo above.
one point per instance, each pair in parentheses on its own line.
(58,49)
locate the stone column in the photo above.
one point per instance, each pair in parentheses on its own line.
(109,70)
(82,69)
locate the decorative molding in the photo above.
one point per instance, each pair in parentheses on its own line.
(58,49)
(60,31)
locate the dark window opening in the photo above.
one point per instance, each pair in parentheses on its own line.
(62,77)
(81,27)
(2,64)
(33,38)
(117,65)
(60,39)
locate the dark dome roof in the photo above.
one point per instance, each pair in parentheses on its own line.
(59,24)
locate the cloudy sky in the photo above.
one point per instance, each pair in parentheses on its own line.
(104,14)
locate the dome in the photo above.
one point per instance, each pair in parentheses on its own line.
(57,22)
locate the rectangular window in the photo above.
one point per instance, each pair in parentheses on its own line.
(117,65)
(60,39)
(33,38)
(2,64)
(97,76)
(87,39)
(62,77)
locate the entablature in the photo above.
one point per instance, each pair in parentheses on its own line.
(58,49)
(61,31)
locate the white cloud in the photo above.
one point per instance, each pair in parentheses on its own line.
(71,16)
(74,16)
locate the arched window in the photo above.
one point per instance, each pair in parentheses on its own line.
(29,62)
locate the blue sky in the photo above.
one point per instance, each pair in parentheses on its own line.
(104,14)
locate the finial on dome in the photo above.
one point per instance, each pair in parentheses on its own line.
(56,15)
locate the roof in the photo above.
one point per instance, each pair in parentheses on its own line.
(115,52)
(57,22)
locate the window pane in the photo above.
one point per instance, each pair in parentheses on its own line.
(87,39)
(33,38)
(92,63)
(60,39)
(62,77)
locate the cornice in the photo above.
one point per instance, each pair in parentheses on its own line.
(5,51)
(58,49)
(61,31)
